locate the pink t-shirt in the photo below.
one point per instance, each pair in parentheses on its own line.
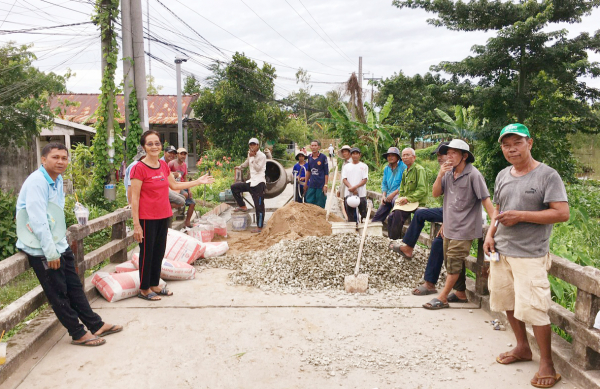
(176,167)
(154,195)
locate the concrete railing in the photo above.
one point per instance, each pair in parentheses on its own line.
(578,360)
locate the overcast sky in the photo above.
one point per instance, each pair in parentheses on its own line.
(324,37)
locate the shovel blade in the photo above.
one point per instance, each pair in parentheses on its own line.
(356,284)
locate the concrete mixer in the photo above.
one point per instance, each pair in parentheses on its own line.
(276,178)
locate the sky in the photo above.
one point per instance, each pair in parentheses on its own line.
(326,38)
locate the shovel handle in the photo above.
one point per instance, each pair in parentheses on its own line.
(330,197)
(362,241)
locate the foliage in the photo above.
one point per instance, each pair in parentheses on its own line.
(425,154)
(151,87)
(464,125)
(296,130)
(240,106)
(24,95)
(79,170)
(224,177)
(135,128)
(191,85)
(105,17)
(8,233)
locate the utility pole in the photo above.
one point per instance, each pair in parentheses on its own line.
(360,73)
(148,30)
(139,62)
(372,79)
(110,192)
(127,44)
(180,138)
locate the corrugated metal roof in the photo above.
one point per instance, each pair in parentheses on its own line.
(162,109)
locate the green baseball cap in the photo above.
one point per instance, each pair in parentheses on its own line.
(515,128)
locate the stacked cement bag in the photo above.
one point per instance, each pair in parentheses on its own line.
(118,286)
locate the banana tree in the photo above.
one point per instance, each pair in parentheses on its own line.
(464,125)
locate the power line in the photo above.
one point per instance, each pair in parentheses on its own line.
(8,13)
(5,32)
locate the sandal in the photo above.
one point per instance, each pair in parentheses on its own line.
(395,247)
(112,330)
(150,296)
(436,304)
(422,290)
(537,377)
(88,342)
(453,298)
(256,230)
(500,358)
(164,292)
(238,209)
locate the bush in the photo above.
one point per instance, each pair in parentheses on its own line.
(425,154)
(8,231)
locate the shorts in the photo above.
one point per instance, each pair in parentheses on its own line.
(455,254)
(521,285)
(176,198)
(188,200)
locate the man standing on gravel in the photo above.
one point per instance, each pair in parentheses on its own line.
(256,185)
(413,192)
(530,197)
(390,184)
(464,193)
(354,177)
(317,174)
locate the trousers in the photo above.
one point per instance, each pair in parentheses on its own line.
(258,196)
(152,251)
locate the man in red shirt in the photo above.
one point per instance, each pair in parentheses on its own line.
(179,166)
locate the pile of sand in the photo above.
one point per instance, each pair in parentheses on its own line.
(293,221)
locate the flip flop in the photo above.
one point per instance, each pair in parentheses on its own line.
(453,298)
(87,343)
(150,296)
(396,248)
(112,330)
(515,359)
(256,231)
(165,292)
(537,377)
(238,209)
(436,304)
(423,291)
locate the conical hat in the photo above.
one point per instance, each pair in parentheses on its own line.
(408,207)
(56,221)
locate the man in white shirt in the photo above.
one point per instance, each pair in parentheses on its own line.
(256,185)
(354,177)
(331,152)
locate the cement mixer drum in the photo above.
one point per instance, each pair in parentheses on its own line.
(276,178)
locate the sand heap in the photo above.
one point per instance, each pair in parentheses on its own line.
(293,221)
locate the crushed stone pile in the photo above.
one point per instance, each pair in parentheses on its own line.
(321,263)
(293,221)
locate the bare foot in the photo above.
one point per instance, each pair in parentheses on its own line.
(460,295)
(546,375)
(407,250)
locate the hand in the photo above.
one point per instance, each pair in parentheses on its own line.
(402,201)
(383,198)
(390,198)
(54,265)
(205,179)
(441,231)
(251,153)
(445,168)
(509,218)
(237,168)
(354,191)
(138,233)
(325,189)
(489,245)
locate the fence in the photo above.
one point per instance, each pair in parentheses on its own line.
(579,361)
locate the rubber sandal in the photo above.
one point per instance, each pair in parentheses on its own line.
(396,248)
(112,330)
(165,292)
(238,209)
(453,298)
(150,296)
(423,291)
(556,378)
(256,231)
(436,304)
(515,359)
(87,343)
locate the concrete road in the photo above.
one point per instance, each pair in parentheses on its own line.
(214,335)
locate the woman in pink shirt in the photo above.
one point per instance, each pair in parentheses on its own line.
(150,182)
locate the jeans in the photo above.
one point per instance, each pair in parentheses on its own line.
(65,294)
(351,212)
(432,215)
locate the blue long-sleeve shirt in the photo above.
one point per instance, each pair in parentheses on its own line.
(37,190)
(392,178)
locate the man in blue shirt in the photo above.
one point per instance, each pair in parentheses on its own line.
(390,185)
(317,175)
(54,262)
(300,170)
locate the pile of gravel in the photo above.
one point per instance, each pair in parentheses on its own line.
(321,263)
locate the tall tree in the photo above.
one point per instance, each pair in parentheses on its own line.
(515,65)
(240,106)
(24,92)
(191,85)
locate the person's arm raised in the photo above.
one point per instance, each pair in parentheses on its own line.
(174,185)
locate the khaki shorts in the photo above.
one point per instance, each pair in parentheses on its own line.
(521,285)
(455,254)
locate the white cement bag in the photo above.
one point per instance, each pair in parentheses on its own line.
(215,249)
(118,286)
(182,247)
(173,270)
(170,270)
(125,267)
(220,225)
(597,323)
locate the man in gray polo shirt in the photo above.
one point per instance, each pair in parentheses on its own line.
(464,192)
(530,197)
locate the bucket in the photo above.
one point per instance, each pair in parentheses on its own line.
(239,221)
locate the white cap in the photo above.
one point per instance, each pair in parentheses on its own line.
(254,140)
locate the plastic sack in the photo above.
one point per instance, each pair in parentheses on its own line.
(182,247)
(81,213)
(597,323)
(170,270)
(215,249)
(220,225)
(204,231)
(126,267)
(118,286)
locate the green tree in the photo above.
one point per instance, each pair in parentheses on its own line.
(191,85)
(515,66)
(240,106)
(465,124)
(151,87)
(24,95)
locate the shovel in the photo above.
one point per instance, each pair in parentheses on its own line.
(358,283)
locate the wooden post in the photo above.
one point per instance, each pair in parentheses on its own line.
(119,231)
(481,282)
(586,308)
(78,252)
